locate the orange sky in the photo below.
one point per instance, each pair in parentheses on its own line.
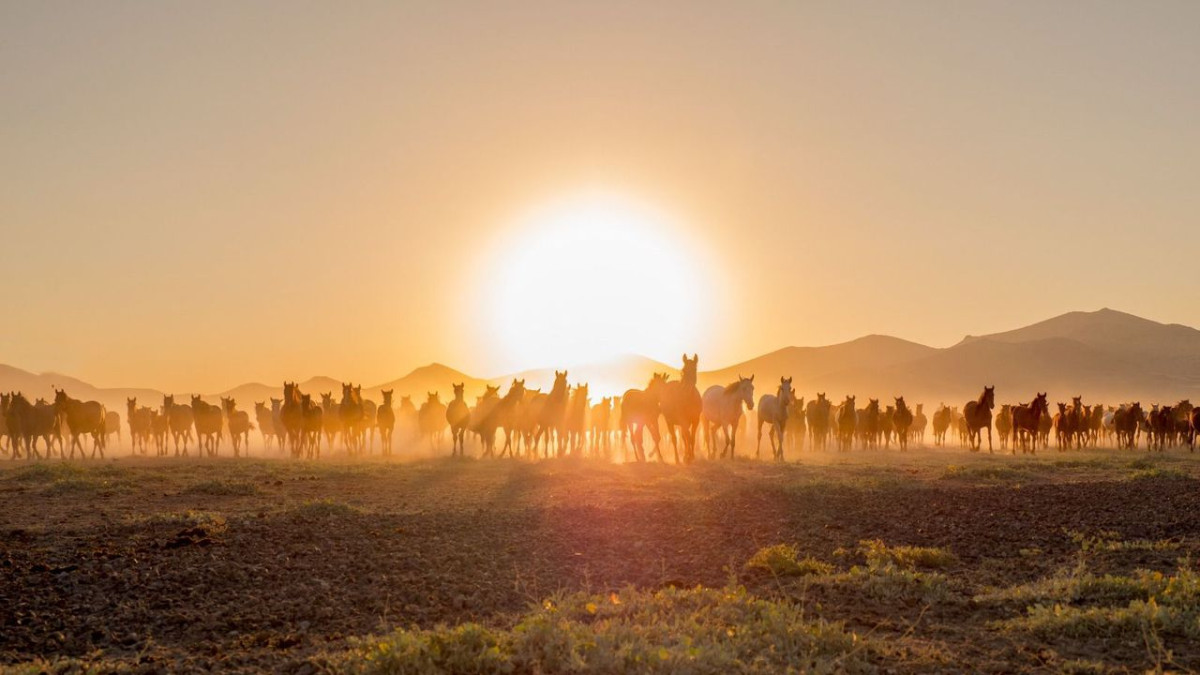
(196,196)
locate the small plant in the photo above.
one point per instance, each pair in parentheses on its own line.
(783,560)
(879,554)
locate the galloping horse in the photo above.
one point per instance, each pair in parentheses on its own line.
(291,414)
(920,423)
(600,423)
(312,419)
(139,425)
(552,416)
(483,419)
(239,425)
(902,420)
(774,409)
(179,421)
(867,424)
(818,413)
(458,416)
(977,414)
(266,423)
(797,424)
(941,424)
(432,419)
(575,420)
(722,409)
(350,411)
(640,410)
(208,425)
(385,420)
(681,407)
(847,422)
(331,420)
(1004,425)
(1027,423)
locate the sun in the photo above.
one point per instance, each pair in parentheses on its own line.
(592,277)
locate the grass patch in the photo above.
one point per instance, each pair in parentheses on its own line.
(1158,472)
(46,472)
(879,554)
(1080,605)
(232,488)
(784,560)
(986,473)
(325,508)
(699,630)
(1111,542)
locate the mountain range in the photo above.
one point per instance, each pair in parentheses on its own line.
(1105,355)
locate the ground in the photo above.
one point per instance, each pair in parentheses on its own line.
(1034,564)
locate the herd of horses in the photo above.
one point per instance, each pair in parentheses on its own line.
(527,422)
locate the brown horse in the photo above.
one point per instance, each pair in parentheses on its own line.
(600,418)
(977,415)
(681,406)
(239,425)
(819,414)
(484,420)
(458,416)
(942,417)
(552,416)
(920,423)
(291,415)
(866,424)
(19,422)
(208,420)
(797,424)
(160,429)
(432,419)
(847,423)
(331,420)
(902,420)
(639,411)
(1004,425)
(576,419)
(139,425)
(312,425)
(266,423)
(385,421)
(82,418)
(352,415)
(1027,423)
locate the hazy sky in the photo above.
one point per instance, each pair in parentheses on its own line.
(194,195)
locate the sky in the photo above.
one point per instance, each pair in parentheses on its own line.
(195,195)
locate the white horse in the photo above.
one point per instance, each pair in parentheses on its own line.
(773,409)
(722,407)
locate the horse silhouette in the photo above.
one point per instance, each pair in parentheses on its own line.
(722,409)
(818,413)
(82,417)
(774,410)
(1027,424)
(291,414)
(600,423)
(552,416)
(208,419)
(484,420)
(681,407)
(847,423)
(353,417)
(977,415)
(432,419)
(385,421)
(797,424)
(639,411)
(312,418)
(576,419)
(1004,425)
(139,425)
(458,416)
(179,421)
(867,424)
(266,423)
(902,420)
(239,425)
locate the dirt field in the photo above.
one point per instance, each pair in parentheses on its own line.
(172,565)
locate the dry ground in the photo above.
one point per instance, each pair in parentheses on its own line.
(170,565)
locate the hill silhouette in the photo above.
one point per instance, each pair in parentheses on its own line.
(1105,355)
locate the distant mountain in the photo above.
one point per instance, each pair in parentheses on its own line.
(1104,355)
(812,365)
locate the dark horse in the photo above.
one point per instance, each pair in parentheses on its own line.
(978,414)
(640,410)
(1027,421)
(681,406)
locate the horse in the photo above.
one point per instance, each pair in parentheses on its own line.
(774,409)
(19,422)
(866,424)
(160,429)
(331,420)
(977,415)
(920,423)
(551,415)
(902,420)
(266,422)
(639,411)
(818,414)
(797,424)
(1194,424)
(406,420)
(139,425)
(576,419)
(208,421)
(312,418)
(458,416)
(1027,422)
(599,423)
(1125,425)
(351,414)
(370,413)
(942,418)
(847,422)
(239,425)
(1063,427)
(112,425)
(82,418)
(484,422)
(432,419)
(179,421)
(291,415)
(1162,426)
(1004,425)
(722,409)
(385,421)
(681,407)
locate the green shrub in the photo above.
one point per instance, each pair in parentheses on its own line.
(784,560)
(909,557)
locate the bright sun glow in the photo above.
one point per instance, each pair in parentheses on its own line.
(593,277)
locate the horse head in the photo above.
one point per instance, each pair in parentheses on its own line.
(432,397)
(387,397)
(458,391)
